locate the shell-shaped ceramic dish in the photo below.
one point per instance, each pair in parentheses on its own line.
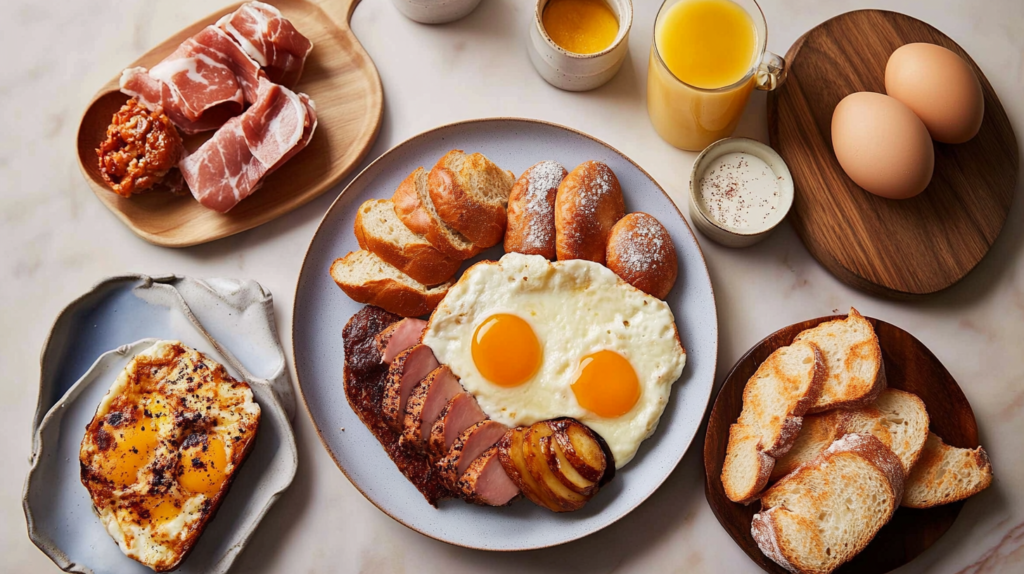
(232,322)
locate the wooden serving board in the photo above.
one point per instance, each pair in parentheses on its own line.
(909,366)
(340,78)
(893,248)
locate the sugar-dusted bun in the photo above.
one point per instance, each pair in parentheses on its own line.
(640,251)
(531,210)
(588,204)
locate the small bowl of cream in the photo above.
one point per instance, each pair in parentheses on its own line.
(740,189)
(578,45)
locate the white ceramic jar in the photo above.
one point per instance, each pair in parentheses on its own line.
(435,11)
(579,72)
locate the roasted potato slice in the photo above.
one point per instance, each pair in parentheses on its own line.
(511,455)
(581,448)
(564,471)
(537,464)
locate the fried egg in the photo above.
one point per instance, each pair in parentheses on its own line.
(162,449)
(534,340)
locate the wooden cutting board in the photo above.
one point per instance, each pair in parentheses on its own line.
(894,248)
(340,78)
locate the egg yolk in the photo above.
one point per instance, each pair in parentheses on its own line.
(164,511)
(133,446)
(205,464)
(506,350)
(606,384)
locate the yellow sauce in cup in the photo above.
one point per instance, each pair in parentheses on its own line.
(580,26)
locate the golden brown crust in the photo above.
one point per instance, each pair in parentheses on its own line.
(389,294)
(588,204)
(640,251)
(482,223)
(531,211)
(418,218)
(422,262)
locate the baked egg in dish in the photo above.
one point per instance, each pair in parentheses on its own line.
(162,449)
(534,340)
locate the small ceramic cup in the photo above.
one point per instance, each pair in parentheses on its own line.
(719,232)
(579,72)
(435,11)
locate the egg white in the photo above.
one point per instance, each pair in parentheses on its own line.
(576,308)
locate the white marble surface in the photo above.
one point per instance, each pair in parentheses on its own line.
(58,240)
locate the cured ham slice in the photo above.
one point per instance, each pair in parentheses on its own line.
(405,372)
(269,39)
(399,337)
(486,483)
(425,403)
(471,443)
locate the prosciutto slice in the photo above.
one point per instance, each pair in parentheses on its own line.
(269,39)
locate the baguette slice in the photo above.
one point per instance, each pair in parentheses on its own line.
(416,210)
(470,194)
(746,468)
(946,474)
(897,418)
(367,279)
(379,230)
(856,374)
(826,512)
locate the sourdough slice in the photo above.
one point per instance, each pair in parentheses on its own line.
(416,210)
(827,511)
(367,279)
(856,374)
(817,433)
(774,401)
(470,194)
(379,230)
(946,474)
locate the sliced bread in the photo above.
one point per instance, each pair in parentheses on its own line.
(416,210)
(897,418)
(856,374)
(470,194)
(946,474)
(774,401)
(367,279)
(822,515)
(379,230)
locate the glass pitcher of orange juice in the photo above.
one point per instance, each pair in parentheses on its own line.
(706,58)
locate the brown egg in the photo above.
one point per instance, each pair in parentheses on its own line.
(940,87)
(882,145)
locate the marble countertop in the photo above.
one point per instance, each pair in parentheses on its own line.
(58,240)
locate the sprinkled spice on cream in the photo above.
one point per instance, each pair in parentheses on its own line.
(740,191)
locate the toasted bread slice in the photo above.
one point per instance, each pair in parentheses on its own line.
(856,374)
(746,468)
(470,194)
(897,418)
(416,210)
(379,230)
(946,474)
(366,278)
(824,513)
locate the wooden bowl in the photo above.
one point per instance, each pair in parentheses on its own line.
(340,78)
(909,366)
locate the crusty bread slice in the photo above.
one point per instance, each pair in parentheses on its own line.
(897,418)
(416,210)
(946,474)
(366,278)
(774,401)
(824,513)
(856,374)
(379,230)
(470,194)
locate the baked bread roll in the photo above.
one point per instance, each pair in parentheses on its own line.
(640,251)
(588,204)
(416,210)
(379,230)
(531,210)
(470,193)
(367,279)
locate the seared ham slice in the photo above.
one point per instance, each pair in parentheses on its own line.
(485,482)
(470,444)
(270,39)
(459,414)
(408,369)
(427,399)
(399,337)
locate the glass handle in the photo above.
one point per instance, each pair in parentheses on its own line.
(771,73)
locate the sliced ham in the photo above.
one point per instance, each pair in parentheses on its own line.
(408,369)
(461,412)
(269,39)
(486,483)
(426,401)
(471,443)
(399,337)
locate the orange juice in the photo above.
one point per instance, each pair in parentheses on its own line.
(580,26)
(700,74)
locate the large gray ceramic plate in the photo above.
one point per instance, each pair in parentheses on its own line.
(321,311)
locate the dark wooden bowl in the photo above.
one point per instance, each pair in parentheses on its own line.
(909,366)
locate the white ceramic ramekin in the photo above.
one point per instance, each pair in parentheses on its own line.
(579,72)
(435,11)
(715,230)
